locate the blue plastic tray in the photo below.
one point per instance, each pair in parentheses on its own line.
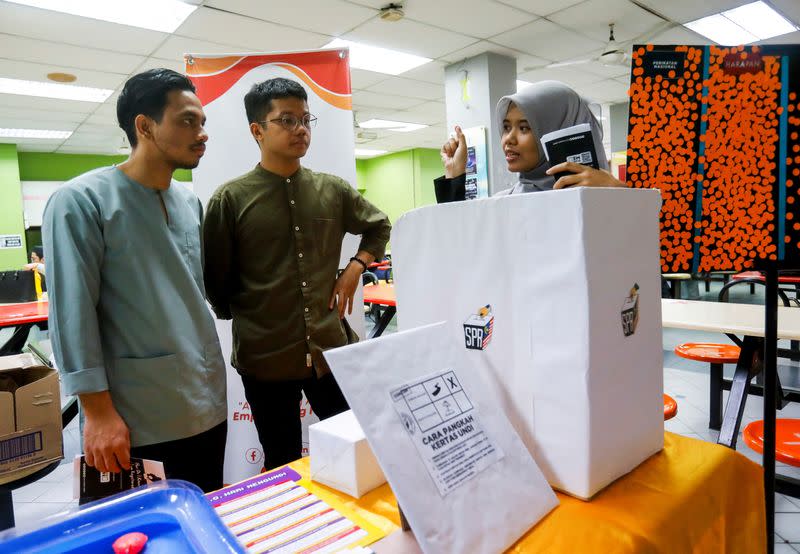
(174,515)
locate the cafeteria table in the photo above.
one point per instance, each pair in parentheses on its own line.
(746,320)
(23,317)
(383,295)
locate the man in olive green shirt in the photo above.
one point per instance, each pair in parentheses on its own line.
(272,245)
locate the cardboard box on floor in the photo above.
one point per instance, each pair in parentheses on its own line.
(30,415)
(567,288)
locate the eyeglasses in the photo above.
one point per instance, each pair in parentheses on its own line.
(291,123)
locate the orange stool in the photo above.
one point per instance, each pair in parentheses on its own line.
(787,439)
(670,407)
(715,355)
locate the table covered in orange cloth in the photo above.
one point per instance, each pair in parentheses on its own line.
(694,496)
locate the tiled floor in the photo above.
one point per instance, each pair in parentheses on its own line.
(50,495)
(685,380)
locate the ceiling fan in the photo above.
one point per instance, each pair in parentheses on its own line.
(362,135)
(614,54)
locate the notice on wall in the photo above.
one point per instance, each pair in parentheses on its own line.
(477,179)
(10,241)
(445,429)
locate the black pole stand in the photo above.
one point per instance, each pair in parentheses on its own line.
(770,385)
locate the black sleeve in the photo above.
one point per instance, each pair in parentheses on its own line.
(450,190)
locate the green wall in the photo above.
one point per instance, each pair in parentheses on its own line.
(389,183)
(40,166)
(427,167)
(395,183)
(399,182)
(11,217)
(361,176)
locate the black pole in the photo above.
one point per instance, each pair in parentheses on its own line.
(770,386)
(6,510)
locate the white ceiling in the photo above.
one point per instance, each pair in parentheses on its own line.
(35,42)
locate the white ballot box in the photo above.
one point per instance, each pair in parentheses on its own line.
(341,457)
(460,472)
(566,285)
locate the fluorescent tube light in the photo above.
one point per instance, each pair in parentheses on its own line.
(53,90)
(156,15)
(398,126)
(743,25)
(34,134)
(761,20)
(375,58)
(369,152)
(721,30)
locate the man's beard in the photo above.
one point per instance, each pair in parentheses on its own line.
(175,162)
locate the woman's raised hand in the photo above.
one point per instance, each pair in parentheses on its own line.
(454,155)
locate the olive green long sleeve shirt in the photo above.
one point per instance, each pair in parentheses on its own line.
(272,247)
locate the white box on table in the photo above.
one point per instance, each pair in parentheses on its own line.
(573,280)
(341,457)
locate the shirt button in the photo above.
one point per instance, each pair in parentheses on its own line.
(291,202)
(306,310)
(288,180)
(297,228)
(308,337)
(304,283)
(300,255)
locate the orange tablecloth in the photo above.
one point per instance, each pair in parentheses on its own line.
(693,496)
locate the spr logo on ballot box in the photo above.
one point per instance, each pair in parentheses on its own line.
(478,329)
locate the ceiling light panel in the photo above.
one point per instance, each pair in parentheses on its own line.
(381,60)
(157,15)
(743,25)
(368,152)
(760,20)
(34,134)
(721,30)
(53,90)
(398,126)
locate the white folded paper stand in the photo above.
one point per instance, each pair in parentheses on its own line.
(341,457)
(555,297)
(461,474)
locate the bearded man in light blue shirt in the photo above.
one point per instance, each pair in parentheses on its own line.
(132,335)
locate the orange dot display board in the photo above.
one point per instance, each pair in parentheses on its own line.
(716,130)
